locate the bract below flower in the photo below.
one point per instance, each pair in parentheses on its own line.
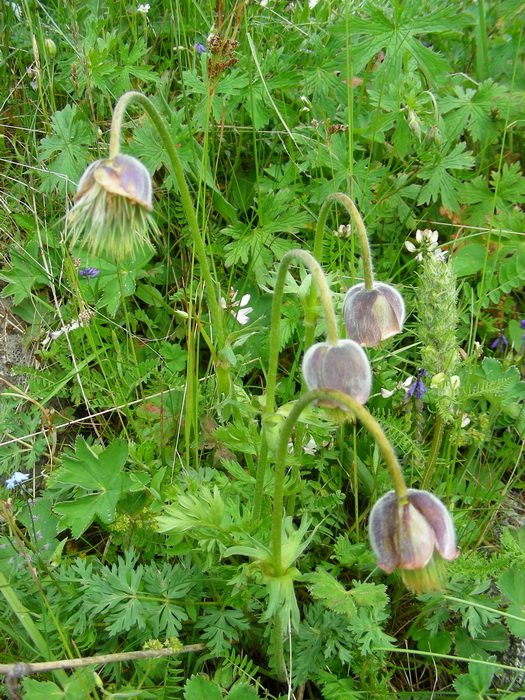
(373,315)
(112,207)
(414,537)
(343,366)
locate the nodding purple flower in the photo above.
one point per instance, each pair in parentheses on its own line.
(418,388)
(199,48)
(89,272)
(501,342)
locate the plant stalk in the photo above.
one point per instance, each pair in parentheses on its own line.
(211,291)
(271,380)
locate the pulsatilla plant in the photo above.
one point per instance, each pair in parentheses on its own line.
(409,529)
(414,534)
(112,210)
(112,207)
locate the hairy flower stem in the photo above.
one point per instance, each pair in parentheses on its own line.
(364,244)
(271,380)
(358,222)
(211,291)
(370,424)
(375,431)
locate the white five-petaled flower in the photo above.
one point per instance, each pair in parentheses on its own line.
(238,309)
(144,9)
(426,244)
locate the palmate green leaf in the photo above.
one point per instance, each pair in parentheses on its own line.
(476,682)
(470,109)
(395,31)
(512,584)
(441,186)
(25,272)
(198,688)
(66,150)
(100,474)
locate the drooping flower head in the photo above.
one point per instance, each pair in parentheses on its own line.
(415,537)
(112,206)
(373,315)
(343,366)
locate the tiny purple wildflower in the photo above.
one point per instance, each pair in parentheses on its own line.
(418,388)
(199,48)
(89,272)
(522,324)
(501,342)
(17,478)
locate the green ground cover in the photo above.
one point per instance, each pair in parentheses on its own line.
(202,418)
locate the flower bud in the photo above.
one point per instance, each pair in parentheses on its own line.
(343,366)
(374,315)
(414,537)
(51,48)
(112,205)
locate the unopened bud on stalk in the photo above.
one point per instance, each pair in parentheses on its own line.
(51,48)
(374,315)
(414,537)
(343,366)
(112,206)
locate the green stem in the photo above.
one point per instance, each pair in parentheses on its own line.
(26,619)
(369,423)
(271,379)
(211,291)
(278,648)
(437,438)
(358,222)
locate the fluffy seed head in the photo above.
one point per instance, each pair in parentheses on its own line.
(112,206)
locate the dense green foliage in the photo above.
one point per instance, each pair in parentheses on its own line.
(135,529)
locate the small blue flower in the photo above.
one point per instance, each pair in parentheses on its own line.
(17,478)
(418,388)
(501,342)
(200,48)
(89,272)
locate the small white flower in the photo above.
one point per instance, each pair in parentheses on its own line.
(238,309)
(144,9)
(83,320)
(17,10)
(386,394)
(426,244)
(311,447)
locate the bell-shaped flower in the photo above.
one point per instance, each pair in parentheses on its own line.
(414,537)
(373,315)
(343,366)
(112,206)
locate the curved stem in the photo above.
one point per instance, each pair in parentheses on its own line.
(198,240)
(370,424)
(271,379)
(358,222)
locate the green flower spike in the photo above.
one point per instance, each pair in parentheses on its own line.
(414,534)
(112,208)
